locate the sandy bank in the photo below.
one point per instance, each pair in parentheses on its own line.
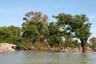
(6,47)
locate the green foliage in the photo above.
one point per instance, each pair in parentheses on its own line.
(78,24)
(35,26)
(54,40)
(25,45)
(37,29)
(10,34)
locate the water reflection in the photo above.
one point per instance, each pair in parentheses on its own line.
(35,57)
(84,58)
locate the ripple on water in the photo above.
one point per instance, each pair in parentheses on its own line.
(38,57)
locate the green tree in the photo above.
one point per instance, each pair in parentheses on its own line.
(78,26)
(10,34)
(35,27)
(54,38)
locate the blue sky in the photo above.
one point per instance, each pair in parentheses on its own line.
(12,11)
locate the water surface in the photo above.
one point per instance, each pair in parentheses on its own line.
(38,57)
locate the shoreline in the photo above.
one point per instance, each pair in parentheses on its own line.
(6,47)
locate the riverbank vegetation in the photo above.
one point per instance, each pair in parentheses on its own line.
(37,32)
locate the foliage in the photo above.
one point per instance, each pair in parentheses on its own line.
(10,34)
(93,40)
(78,24)
(36,28)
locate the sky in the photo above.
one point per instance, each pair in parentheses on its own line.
(12,11)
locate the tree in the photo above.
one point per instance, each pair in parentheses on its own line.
(83,29)
(77,25)
(10,34)
(54,38)
(35,27)
(93,43)
(93,40)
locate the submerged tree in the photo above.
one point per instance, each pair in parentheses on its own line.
(77,25)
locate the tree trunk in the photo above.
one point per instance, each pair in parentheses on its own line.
(83,45)
(47,44)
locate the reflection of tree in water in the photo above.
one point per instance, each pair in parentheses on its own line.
(75,58)
(35,57)
(83,58)
(54,58)
(69,58)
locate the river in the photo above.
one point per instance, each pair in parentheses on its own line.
(38,57)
